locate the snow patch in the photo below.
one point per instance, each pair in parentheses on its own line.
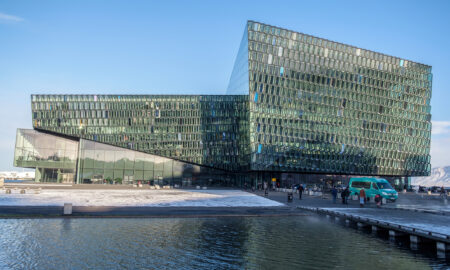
(153,198)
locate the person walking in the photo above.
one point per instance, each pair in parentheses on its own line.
(334,193)
(443,193)
(362,197)
(378,200)
(345,195)
(300,191)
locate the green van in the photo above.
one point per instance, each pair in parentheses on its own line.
(372,187)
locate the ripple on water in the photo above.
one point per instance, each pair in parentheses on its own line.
(175,243)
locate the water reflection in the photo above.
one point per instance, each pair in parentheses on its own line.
(219,243)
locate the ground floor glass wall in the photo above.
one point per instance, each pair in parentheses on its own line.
(54,157)
(62,160)
(100,163)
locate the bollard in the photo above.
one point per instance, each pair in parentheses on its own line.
(67,209)
(37,191)
(289,197)
(8,191)
(205,188)
(22,191)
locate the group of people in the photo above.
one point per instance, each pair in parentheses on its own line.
(346,193)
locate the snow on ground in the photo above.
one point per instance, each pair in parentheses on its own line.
(154,198)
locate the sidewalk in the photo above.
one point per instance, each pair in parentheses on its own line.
(407,202)
(312,201)
(389,212)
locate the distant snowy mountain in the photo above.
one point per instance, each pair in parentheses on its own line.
(439,177)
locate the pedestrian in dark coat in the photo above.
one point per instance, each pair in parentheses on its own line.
(300,191)
(334,193)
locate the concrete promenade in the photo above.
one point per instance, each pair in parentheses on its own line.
(420,225)
(435,221)
(146,212)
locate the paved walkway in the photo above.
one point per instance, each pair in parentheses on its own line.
(408,201)
(422,221)
(430,222)
(423,203)
(312,201)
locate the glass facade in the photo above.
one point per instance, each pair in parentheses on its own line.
(295,103)
(203,130)
(54,157)
(324,107)
(238,84)
(62,160)
(100,163)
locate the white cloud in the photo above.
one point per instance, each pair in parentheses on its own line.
(440,127)
(440,152)
(9,18)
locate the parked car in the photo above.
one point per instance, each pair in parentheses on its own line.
(372,187)
(422,189)
(447,189)
(434,189)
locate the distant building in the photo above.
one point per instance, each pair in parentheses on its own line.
(296,105)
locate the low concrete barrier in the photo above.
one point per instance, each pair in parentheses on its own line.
(67,209)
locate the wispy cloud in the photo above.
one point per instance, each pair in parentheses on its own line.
(440,127)
(9,18)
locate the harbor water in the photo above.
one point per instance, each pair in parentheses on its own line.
(301,242)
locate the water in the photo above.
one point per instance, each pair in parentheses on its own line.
(306,242)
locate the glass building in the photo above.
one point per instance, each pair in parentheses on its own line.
(295,104)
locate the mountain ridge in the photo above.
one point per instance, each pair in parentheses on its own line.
(440,176)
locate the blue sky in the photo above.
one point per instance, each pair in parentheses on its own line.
(188,47)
